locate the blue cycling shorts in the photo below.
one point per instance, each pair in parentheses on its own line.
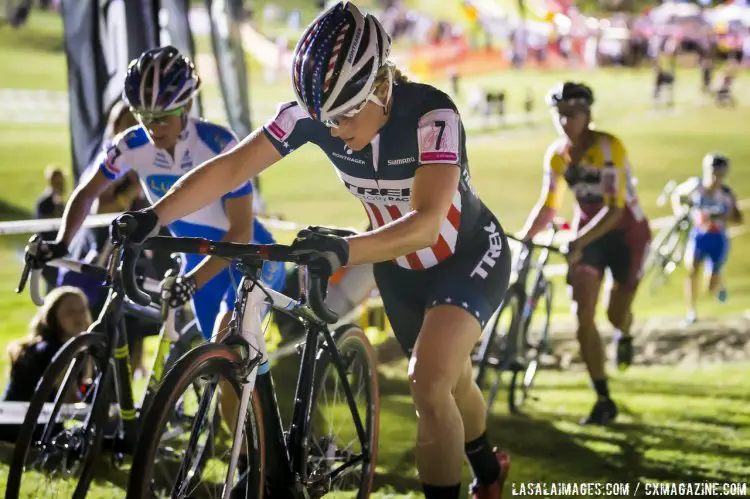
(712,247)
(222,288)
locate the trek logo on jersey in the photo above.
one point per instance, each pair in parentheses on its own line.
(379,193)
(490,256)
(160,184)
(439,136)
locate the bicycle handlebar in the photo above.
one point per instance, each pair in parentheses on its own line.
(532,244)
(32,275)
(257,253)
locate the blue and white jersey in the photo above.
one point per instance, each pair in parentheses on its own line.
(709,209)
(158,171)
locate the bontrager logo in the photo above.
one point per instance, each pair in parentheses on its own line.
(348,158)
(401,161)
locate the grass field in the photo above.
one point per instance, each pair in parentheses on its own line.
(678,423)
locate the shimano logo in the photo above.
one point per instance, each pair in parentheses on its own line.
(490,256)
(348,158)
(401,161)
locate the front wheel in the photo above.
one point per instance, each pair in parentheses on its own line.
(63,430)
(195,464)
(536,345)
(495,351)
(337,459)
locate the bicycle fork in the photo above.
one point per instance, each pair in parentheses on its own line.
(252,333)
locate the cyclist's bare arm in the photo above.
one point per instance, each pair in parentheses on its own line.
(240,214)
(214,178)
(682,192)
(79,205)
(544,211)
(735,215)
(604,221)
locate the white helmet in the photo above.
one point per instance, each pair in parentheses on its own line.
(336,61)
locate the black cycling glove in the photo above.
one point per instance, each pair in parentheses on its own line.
(38,254)
(145,223)
(326,253)
(177,290)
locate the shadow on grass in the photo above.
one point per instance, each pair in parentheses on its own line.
(544,445)
(12,212)
(633,440)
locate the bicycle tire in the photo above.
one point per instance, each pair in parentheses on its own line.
(495,343)
(351,338)
(532,364)
(206,359)
(93,342)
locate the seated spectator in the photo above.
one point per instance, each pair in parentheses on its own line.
(64,315)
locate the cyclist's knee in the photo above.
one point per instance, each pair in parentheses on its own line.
(430,390)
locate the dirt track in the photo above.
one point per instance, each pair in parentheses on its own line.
(657,342)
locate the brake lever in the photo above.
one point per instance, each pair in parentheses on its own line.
(114,260)
(31,250)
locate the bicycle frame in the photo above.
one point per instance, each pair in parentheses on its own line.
(284,454)
(110,323)
(529,298)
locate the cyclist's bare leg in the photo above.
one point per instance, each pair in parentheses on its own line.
(715,282)
(445,341)
(620,310)
(470,404)
(692,287)
(587,282)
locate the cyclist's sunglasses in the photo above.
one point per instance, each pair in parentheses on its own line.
(148,118)
(335,122)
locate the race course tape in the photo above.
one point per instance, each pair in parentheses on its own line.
(51,224)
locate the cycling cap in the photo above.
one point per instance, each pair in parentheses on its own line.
(336,61)
(570,93)
(716,162)
(160,79)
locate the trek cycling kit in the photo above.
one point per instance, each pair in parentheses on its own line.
(708,239)
(603,177)
(158,171)
(469,266)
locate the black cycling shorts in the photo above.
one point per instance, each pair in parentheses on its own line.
(622,251)
(475,279)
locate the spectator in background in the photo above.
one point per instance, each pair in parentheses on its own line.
(51,204)
(64,315)
(93,245)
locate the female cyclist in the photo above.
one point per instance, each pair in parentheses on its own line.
(441,259)
(713,205)
(165,145)
(612,230)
